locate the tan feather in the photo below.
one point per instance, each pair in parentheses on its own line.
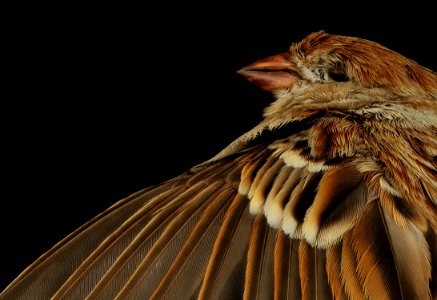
(333,271)
(184,275)
(286,268)
(228,255)
(282,266)
(257,202)
(301,199)
(248,174)
(259,268)
(389,255)
(171,239)
(340,197)
(353,286)
(276,201)
(262,187)
(312,269)
(98,263)
(68,254)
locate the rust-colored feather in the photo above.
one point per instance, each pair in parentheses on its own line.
(286,268)
(353,286)
(114,247)
(67,255)
(333,270)
(228,253)
(312,269)
(282,266)
(340,197)
(258,282)
(388,255)
(167,247)
(193,257)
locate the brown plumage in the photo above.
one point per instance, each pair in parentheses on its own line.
(332,196)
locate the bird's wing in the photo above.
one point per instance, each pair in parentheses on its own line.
(158,239)
(284,216)
(360,186)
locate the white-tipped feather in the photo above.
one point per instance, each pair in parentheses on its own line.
(289,223)
(278,184)
(310,231)
(388,188)
(245,181)
(256,204)
(274,213)
(315,167)
(293,159)
(277,198)
(244,187)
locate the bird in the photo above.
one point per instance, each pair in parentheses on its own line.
(332,195)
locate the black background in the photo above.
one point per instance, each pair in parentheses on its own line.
(104,100)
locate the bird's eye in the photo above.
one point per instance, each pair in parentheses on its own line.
(338,76)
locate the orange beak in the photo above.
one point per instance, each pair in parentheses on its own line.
(272,73)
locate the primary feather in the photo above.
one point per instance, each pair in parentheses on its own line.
(332,196)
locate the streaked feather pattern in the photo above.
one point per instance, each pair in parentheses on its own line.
(334,272)
(224,274)
(286,268)
(388,256)
(258,282)
(332,196)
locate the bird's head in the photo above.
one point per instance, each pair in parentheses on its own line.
(326,58)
